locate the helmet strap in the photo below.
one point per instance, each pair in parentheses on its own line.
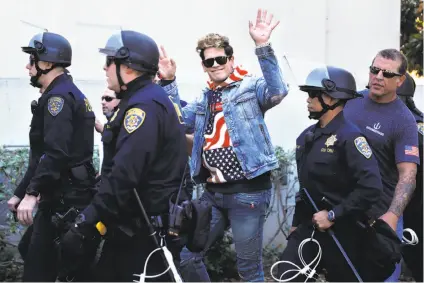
(325,107)
(122,85)
(34,79)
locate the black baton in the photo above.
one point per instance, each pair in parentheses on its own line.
(331,233)
(152,232)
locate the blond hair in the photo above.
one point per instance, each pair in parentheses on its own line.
(214,40)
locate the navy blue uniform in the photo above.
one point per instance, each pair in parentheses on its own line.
(335,162)
(413,215)
(60,168)
(145,145)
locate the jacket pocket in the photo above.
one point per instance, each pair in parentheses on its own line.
(247,105)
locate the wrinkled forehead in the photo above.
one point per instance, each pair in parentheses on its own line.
(386,64)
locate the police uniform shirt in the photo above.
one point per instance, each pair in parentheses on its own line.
(391,131)
(336,162)
(61,134)
(148,147)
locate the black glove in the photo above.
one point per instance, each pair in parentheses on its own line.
(76,248)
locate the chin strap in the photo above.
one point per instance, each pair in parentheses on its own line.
(34,79)
(325,107)
(122,85)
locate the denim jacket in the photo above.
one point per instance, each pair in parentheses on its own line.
(244,105)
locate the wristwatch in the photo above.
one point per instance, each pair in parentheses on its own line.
(331,216)
(80,219)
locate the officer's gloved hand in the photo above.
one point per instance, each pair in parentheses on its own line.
(77,247)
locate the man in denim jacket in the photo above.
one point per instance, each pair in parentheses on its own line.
(232,150)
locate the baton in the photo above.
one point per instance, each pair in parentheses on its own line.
(173,273)
(331,233)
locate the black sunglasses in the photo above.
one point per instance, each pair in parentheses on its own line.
(109,60)
(221,60)
(315,93)
(386,74)
(31,61)
(107,98)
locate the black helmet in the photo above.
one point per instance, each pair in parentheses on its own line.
(335,82)
(133,49)
(50,47)
(408,87)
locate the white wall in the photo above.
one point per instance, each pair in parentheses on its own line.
(344,33)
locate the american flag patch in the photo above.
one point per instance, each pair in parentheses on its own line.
(411,150)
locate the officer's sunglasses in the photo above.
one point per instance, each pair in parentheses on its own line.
(386,74)
(315,93)
(109,60)
(31,61)
(107,98)
(221,60)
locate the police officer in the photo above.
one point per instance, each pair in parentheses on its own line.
(334,161)
(60,174)
(148,152)
(413,214)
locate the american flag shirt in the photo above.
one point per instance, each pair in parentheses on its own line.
(218,154)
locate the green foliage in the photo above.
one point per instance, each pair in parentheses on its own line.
(13,165)
(411,39)
(220,260)
(11,269)
(286,161)
(96,158)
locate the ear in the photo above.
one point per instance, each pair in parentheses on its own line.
(231,61)
(126,70)
(400,80)
(204,68)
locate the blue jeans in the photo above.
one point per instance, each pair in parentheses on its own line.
(399,231)
(245,213)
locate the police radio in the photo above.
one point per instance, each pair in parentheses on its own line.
(34,105)
(176,211)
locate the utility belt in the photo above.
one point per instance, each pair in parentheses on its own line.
(78,186)
(137,225)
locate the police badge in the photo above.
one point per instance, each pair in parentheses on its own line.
(55,105)
(363,147)
(134,118)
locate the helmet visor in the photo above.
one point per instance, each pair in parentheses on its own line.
(113,44)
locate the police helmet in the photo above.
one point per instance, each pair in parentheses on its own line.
(408,87)
(335,82)
(133,49)
(50,47)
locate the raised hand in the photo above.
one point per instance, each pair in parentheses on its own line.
(167,66)
(261,31)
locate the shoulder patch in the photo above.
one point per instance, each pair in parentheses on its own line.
(420,126)
(55,105)
(88,107)
(363,147)
(134,118)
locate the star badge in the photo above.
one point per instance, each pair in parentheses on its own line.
(331,140)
